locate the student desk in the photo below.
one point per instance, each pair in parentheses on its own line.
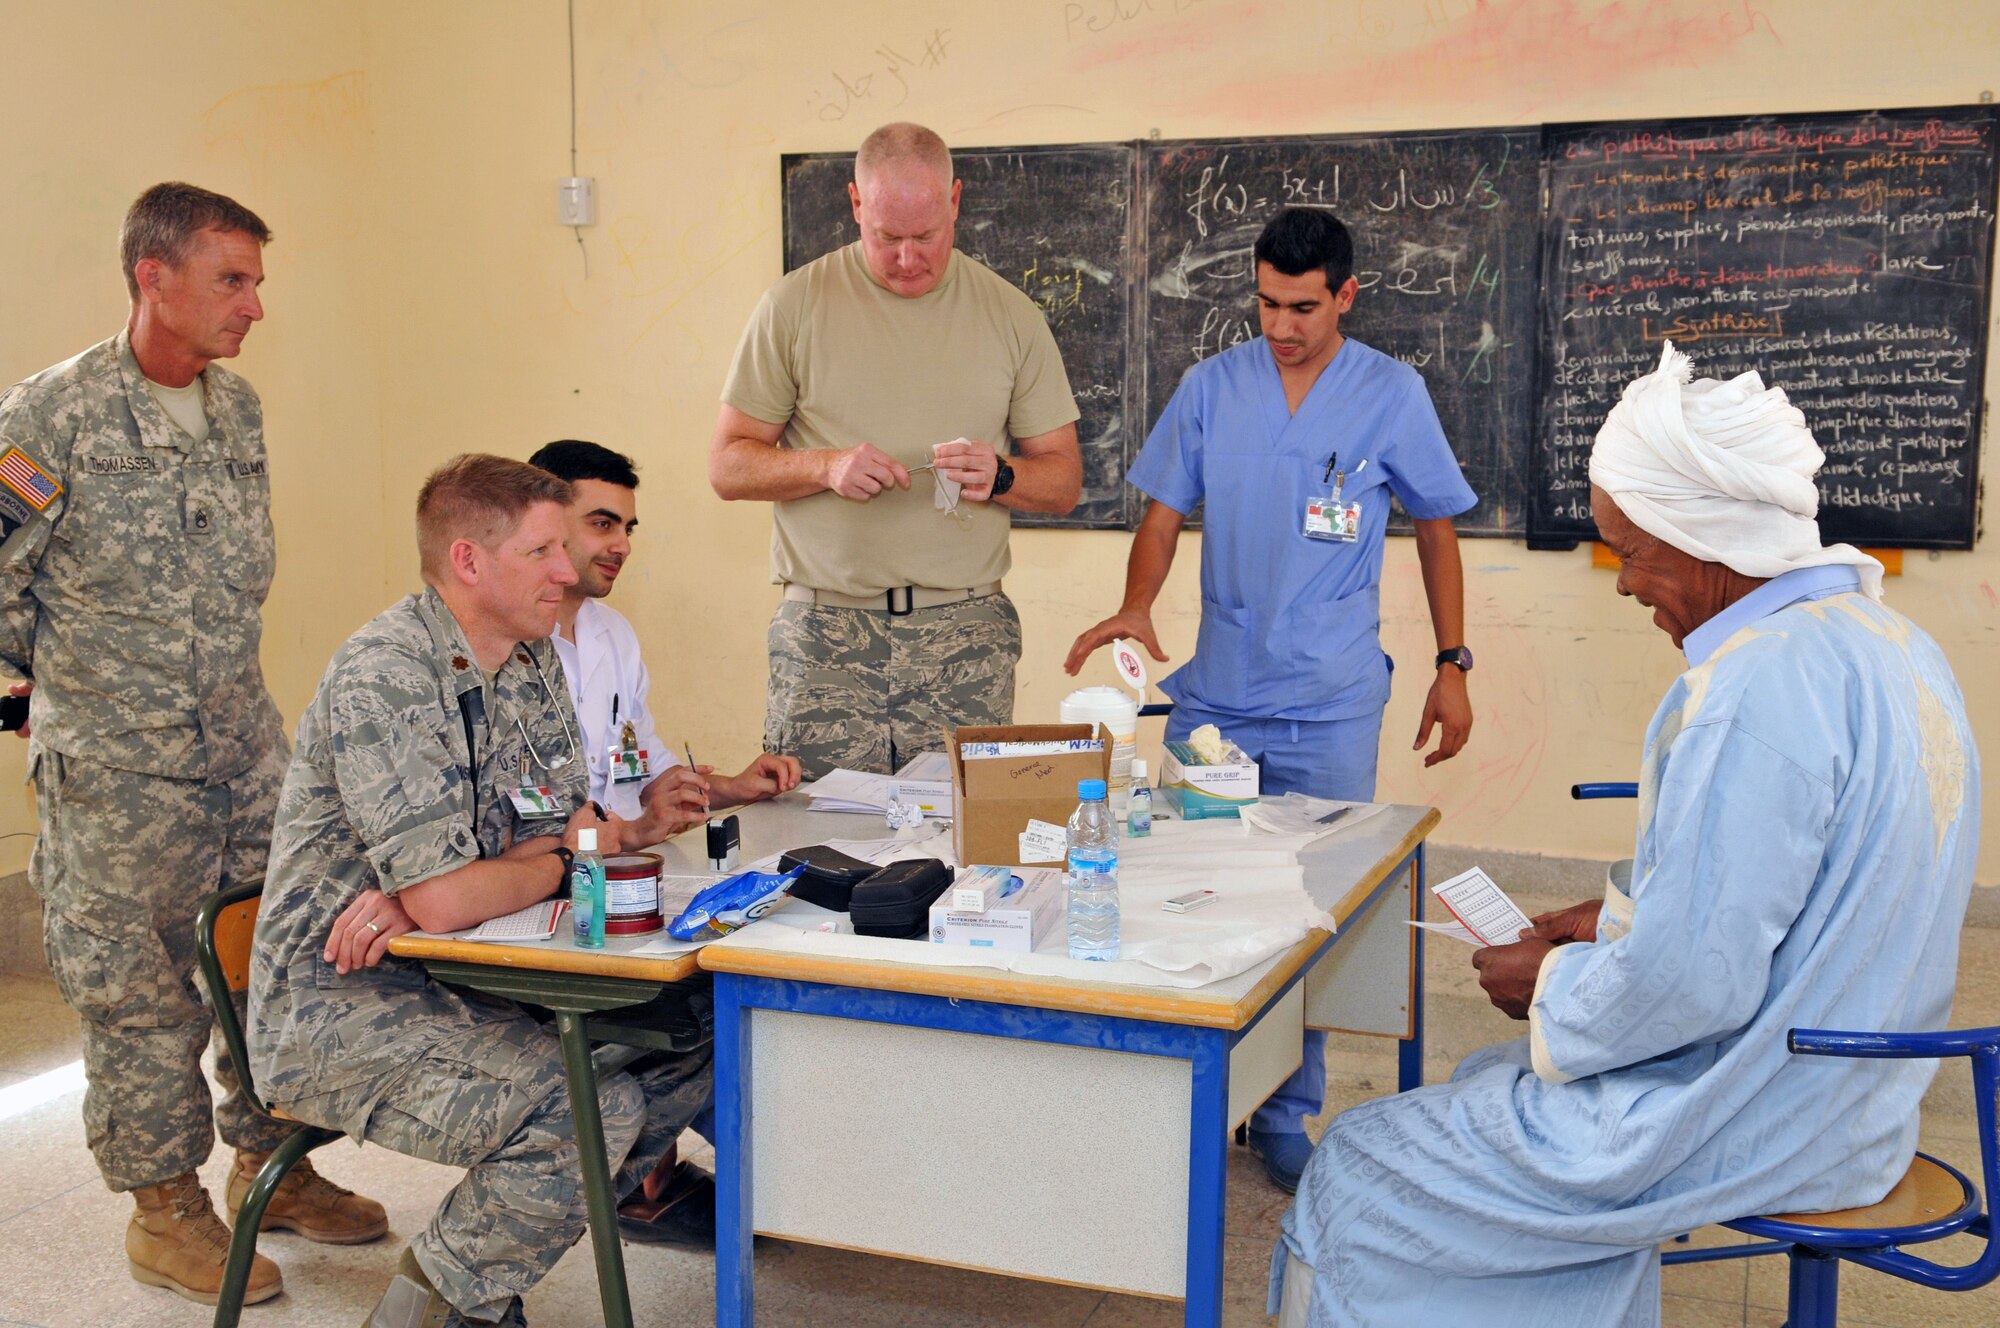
(1038,1127)
(1062,1130)
(580,987)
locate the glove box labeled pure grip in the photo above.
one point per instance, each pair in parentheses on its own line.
(830,875)
(896,901)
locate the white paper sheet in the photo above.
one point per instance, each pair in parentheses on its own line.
(1482,908)
(1302,814)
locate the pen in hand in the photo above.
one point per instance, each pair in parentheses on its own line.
(689,749)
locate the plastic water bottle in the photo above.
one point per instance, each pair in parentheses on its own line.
(1093,875)
(1139,804)
(586,892)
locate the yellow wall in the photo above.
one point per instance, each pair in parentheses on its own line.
(104,98)
(424,301)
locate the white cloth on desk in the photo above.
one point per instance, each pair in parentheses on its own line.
(605,671)
(1262,910)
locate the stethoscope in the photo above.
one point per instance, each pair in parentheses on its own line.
(472,709)
(562,714)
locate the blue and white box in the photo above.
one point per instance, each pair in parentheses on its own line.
(1018,920)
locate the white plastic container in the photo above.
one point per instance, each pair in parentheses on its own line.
(1117,710)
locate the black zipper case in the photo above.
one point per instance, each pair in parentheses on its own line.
(830,875)
(896,901)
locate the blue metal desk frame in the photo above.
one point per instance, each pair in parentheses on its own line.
(736,995)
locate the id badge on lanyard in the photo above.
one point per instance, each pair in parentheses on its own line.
(533,802)
(1329,517)
(629,762)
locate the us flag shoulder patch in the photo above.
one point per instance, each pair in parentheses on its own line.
(36,486)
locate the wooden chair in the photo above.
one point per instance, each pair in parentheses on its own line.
(223,933)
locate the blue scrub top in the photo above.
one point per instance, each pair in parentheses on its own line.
(1290,626)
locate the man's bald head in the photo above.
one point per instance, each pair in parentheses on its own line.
(901,148)
(906,204)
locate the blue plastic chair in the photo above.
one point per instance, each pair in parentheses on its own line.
(1932,1201)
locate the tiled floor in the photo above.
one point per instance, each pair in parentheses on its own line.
(62,1260)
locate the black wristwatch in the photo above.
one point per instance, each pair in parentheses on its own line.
(1459,656)
(1003,478)
(568,860)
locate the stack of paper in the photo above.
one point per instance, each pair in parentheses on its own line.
(926,781)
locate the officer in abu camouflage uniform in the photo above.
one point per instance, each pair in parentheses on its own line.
(135,515)
(397,812)
(894,356)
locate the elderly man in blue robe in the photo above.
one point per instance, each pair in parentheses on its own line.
(1808,823)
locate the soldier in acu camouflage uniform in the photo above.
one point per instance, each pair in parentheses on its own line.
(135,554)
(396,813)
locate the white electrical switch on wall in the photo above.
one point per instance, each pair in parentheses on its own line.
(576,200)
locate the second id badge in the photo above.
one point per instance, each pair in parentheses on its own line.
(533,802)
(1328,518)
(628,759)
(628,765)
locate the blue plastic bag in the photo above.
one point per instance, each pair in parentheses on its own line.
(732,902)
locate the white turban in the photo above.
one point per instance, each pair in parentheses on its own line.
(1721,471)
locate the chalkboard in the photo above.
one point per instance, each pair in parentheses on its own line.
(1444,228)
(1846,257)
(1054,222)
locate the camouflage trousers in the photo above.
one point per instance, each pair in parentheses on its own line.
(495,1101)
(867,690)
(123,864)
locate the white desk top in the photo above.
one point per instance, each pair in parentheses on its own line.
(1340,871)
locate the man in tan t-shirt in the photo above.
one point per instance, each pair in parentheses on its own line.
(891,357)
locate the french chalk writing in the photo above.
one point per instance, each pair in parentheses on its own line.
(1844,257)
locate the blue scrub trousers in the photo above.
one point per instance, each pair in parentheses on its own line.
(1328,758)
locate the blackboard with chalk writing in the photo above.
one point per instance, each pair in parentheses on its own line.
(1528,274)
(1847,257)
(1052,221)
(1444,228)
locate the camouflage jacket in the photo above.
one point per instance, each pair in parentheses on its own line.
(381,795)
(134,563)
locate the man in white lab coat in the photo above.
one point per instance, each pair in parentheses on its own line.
(632,771)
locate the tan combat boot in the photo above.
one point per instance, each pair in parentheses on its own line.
(176,1241)
(308,1203)
(412,1302)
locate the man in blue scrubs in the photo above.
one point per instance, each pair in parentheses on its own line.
(1293,444)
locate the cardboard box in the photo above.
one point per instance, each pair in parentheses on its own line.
(1019,922)
(1197,791)
(996,797)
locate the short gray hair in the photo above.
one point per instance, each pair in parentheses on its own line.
(162,222)
(903,144)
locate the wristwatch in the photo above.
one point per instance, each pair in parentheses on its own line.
(1003,478)
(1459,655)
(568,860)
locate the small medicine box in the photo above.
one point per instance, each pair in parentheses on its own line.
(1018,921)
(1199,791)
